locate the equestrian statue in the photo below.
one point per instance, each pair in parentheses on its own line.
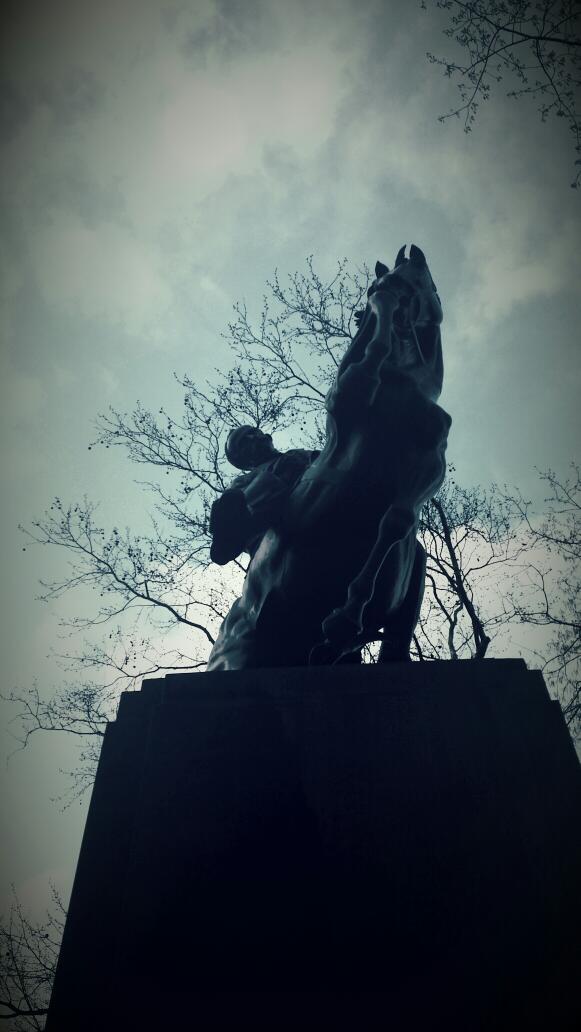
(332,535)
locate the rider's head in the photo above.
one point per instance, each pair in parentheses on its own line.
(248,447)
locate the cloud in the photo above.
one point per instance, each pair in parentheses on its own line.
(492,209)
(109,379)
(208,285)
(15,110)
(98,271)
(223,30)
(25,400)
(510,271)
(69,99)
(195,139)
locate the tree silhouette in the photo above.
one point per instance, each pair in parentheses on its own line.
(157,599)
(29,950)
(529,48)
(547,595)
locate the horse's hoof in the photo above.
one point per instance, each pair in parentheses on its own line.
(323,654)
(339,627)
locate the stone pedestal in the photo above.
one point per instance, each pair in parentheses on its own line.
(401,841)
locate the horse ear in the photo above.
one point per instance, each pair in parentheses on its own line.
(417,256)
(380,269)
(400,259)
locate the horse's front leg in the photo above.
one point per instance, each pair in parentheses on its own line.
(344,626)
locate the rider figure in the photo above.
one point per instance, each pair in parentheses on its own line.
(255,501)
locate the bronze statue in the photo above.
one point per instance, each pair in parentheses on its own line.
(335,562)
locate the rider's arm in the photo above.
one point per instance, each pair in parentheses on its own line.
(253,503)
(245,510)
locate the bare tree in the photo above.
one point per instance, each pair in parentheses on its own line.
(470,541)
(548,593)
(531,47)
(29,951)
(156,600)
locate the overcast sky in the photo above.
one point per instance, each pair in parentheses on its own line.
(160,159)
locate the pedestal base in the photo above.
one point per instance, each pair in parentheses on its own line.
(402,838)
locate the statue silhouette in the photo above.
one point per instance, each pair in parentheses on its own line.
(335,562)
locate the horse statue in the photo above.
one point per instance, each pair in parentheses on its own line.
(335,561)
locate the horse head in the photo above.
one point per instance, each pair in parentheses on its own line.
(401,323)
(413,274)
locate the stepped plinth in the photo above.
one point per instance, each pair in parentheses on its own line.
(402,840)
